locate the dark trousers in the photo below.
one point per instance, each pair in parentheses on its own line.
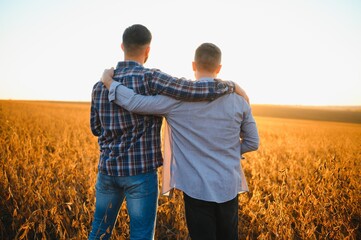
(211,220)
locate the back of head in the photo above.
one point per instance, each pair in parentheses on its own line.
(135,39)
(208,57)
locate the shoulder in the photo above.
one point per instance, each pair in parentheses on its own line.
(98,86)
(155,71)
(98,89)
(240,102)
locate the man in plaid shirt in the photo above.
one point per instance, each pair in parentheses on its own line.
(130,144)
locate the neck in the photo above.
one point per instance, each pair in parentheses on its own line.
(139,60)
(200,75)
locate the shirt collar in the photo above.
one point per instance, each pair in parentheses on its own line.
(124,64)
(206,79)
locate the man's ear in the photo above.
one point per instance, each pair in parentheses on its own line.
(218,68)
(147,50)
(194,66)
(122,46)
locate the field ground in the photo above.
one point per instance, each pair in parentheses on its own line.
(304,180)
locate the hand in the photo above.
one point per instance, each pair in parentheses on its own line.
(241,92)
(107,77)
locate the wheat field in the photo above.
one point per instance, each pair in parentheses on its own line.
(304,180)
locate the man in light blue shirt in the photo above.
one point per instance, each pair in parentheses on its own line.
(207,141)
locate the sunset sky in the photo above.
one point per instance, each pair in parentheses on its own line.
(297,52)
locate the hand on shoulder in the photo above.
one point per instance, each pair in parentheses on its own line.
(107,77)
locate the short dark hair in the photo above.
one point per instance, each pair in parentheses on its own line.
(135,37)
(208,57)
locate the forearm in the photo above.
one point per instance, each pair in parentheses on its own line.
(128,99)
(180,88)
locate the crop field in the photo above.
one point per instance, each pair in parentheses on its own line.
(305,179)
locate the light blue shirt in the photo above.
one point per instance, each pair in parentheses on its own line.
(205,139)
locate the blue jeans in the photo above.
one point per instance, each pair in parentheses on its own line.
(141,193)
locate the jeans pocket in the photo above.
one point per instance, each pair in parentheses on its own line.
(143,185)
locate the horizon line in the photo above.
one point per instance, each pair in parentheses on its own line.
(269,104)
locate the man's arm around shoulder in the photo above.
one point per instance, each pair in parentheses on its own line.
(185,89)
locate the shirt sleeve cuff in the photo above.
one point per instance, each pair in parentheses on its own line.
(112,90)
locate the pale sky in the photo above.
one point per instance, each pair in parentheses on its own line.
(293,52)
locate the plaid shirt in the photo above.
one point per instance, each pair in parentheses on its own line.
(130,144)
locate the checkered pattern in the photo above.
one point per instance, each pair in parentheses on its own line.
(130,144)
